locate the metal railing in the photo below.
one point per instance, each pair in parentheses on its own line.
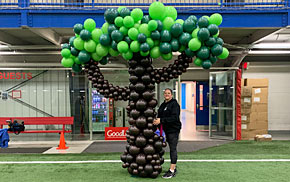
(179,4)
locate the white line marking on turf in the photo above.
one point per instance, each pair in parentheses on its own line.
(118,161)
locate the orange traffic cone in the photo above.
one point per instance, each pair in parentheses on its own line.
(61,145)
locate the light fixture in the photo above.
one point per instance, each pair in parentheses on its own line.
(268,52)
(271,46)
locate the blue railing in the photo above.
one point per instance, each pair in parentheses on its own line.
(179,4)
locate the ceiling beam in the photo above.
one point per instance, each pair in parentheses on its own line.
(8,39)
(48,34)
(256,36)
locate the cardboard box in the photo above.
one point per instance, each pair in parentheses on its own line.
(247,135)
(246,101)
(252,82)
(259,107)
(259,95)
(246,91)
(254,116)
(256,125)
(259,138)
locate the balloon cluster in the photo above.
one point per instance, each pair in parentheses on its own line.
(158,34)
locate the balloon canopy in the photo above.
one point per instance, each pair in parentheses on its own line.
(157,35)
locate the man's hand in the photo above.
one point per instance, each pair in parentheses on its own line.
(156,121)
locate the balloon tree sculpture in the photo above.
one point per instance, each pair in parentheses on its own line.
(139,39)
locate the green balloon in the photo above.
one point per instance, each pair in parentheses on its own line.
(165,48)
(128,55)
(128,22)
(65,53)
(76,68)
(156,42)
(144,29)
(203,34)
(111,28)
(123,47)
(195,32)
(167,23)
(125,12)
(210,42)
(79,43)
(105,28)
(133,33)
(150,42)
(102,50)
(189,25)
(155,52)
(216,19)
(165,36)
(135,46)
(207,17)
(117,36)
(202,22)
(105,40)
(184,38)
(78,28)
(203,53)
(71,41)
(128,40)
(206,64)
(120,8)
(67,62)
(213,29)
(85,35)
(90,24)
(175,45)
(84,56)
(155,35)
(180,21)
(77,35)
(176,30)
(224,54)
(141,37)
(114,45)
(144,47)
(198,62)
(65,46)
(171,12)
(144,54)
(112,52)
(90,46)
(189,53)
(110,15)
(77,61)
(96,34)
(156,11)
(216,35)
(137,14)
(74,51)
(167,57)
(160,25)
(213,59)
(137,25)
(193,18)
(182,48)
(119,21)
(96,57)
(217,50)
(124,30)
(152,25)
(104,61)
(194,44)
(219,41)
(145,19)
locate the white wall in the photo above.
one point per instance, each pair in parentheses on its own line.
(190,97)
(279,94)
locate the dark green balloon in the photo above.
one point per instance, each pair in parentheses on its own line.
(128,40)
(206,64)
(189,53)
(189,25)
(74,51)
(76,68)
(213,29)
(65,46)
(219,41)
(165,36)
(71,41)
(117,36)
(105,39)
(141,37)
(114,45)
(145,19)
(155,35)
(85,35)
(78,28)
(217,49)
(176,30)
(160,25)
(165,48)
(145,47)
(202,22)
(203,53)
(193,18)
(111,28)
(84,57)
(104,61)
(184,38)
(213,59)
(125,12)
(110,15)
(203,34)
(175,45)
(210,42)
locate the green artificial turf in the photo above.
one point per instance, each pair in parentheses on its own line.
(188,171)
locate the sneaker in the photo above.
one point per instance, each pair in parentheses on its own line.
(169,174)
(175,170)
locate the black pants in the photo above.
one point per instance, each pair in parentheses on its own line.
(172,140)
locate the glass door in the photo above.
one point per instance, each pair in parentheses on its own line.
(222,105)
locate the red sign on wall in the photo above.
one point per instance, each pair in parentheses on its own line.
(115,133)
